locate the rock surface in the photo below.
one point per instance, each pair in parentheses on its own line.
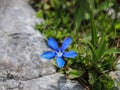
(116,75)
(20,44)
(21,67)
(50,82)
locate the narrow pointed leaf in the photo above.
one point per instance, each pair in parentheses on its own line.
(111,50)
(72,74)
(93,30)
(101,48)
(81,9)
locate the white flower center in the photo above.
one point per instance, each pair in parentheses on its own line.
(59,53)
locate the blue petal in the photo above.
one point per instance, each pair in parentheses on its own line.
(70,54)
(48,55)
(52,43)
(66,43)
(60,62)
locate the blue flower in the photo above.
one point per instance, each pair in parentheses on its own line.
(59,52)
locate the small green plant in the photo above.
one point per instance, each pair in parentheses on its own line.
(95,37)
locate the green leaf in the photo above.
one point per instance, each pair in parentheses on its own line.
(92,78)
(101,48)
(106,4)
(118,84)
(80,10)
(111,51)
(97,86)
(46,6)
(39,14)
(87,16)
(59,34)
(117,25)
(72,74)
(93,30)
(110,84)
(65,19)
(55,3)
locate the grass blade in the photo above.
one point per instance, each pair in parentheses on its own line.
(93,30)
(81,8)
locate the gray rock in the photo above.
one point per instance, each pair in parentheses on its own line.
(21,67)
(118,65)
(50,82)
(20,44)
(113,14)
(115,75)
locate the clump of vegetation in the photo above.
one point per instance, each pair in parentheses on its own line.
(96,37)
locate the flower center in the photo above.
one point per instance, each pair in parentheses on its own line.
(59,53)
